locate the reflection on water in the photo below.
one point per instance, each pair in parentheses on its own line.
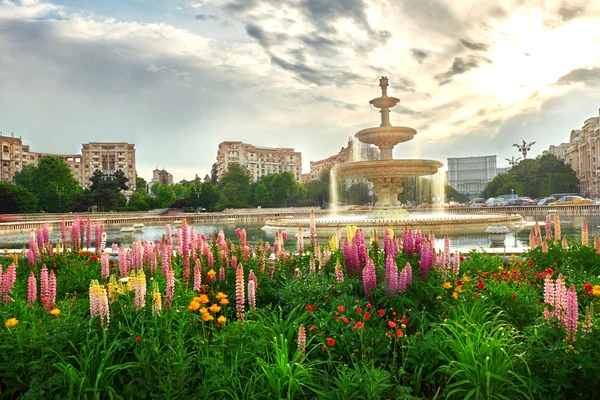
(516,240)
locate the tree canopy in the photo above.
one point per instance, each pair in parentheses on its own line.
(539,177)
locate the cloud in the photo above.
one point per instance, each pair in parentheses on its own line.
(588,76)
(420,55)
(460,66)
(206,17)
(569,11)
(473,45)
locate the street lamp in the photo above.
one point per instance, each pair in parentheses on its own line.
(60,191)
(513,161)
(524,148)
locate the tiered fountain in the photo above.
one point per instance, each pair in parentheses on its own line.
(386,176)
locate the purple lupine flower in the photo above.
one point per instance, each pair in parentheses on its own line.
(418,241)
(369,278)
(402,281)
(31,289)
(408,270)
(63,230)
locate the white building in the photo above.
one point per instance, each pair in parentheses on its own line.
(471,174)
(259,161)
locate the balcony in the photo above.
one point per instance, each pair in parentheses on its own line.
(5,156)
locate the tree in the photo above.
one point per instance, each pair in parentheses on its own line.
(234,187)
(105,191)
(26,202)
(262,197)
(52,183)
(140,184)
(209,197)
(454,195)
(164,194)
(214,174)
(284,189)
(537,177)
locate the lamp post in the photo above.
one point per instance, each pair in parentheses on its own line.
(513,161)
(524,148)
(60,191)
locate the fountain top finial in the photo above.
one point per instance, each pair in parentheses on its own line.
(384,83)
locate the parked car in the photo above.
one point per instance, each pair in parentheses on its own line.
(478,202)
(570,200)
(495,202)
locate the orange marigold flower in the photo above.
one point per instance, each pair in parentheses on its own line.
(55,312)
(11,322)
(222,319)
(207,317)
(221,295)
(224,302)
(194,306)
(204,299)
(215,308)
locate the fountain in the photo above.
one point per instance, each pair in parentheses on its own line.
(386,176)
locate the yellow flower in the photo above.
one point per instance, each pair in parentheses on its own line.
(211,273)
(221,295)
(596,290)
(194,306)
(438,297)
(500,268)
(466,278)
(513,256)
(203,311)
(11,322)
(459,289)
(447,285)
(222,319)
(455,295)
(207,317)
(215,308)
(403,326)
(196,299)
(5,250)
(55,312)
(204,299)
(224,302)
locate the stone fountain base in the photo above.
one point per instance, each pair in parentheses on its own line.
(440,224)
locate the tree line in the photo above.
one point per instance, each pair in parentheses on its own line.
(51,187)
(534,178)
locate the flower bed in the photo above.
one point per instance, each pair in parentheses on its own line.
(200,317)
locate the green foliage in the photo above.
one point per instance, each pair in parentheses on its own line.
(164,194)
(482,356)
(16,199)
(51,182)
(537,177)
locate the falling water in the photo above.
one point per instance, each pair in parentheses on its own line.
(356,150)
(333,191)
(438,188)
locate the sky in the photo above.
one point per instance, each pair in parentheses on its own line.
(178,77)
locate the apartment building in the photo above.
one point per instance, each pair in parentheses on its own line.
(471,174)
(583,155)
(259,161)
(106,157)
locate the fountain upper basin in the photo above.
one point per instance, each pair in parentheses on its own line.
(386,136)
(391,169)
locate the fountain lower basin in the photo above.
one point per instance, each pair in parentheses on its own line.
(440,224)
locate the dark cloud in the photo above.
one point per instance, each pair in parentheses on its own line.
(324,12)
(322,44)
(460,66)
(419,55)
(242,6)
(206,17)
(473,45)
(568,12)
(325,76)
(498,12)
(589,76)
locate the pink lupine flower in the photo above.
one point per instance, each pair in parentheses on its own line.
(299,242)
(548,227)
(252,295)
(170,288)
(456,263)
(63,231)
(8,281)
(222,274)
(271,271)
(240,298)
(564,243)
(339,274)
(31,289)
(105,271)
(99,302)
(197,277)
(572,314)
(302,340)
(44,283)
(369,278)
(234,262)
(313,229)
(392,284)
(252,277)
(584,234)
(52,288)
(246,252)
(408,270)
(45,234)
(30,257)
(138,284)
(402,281)
(88,233)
